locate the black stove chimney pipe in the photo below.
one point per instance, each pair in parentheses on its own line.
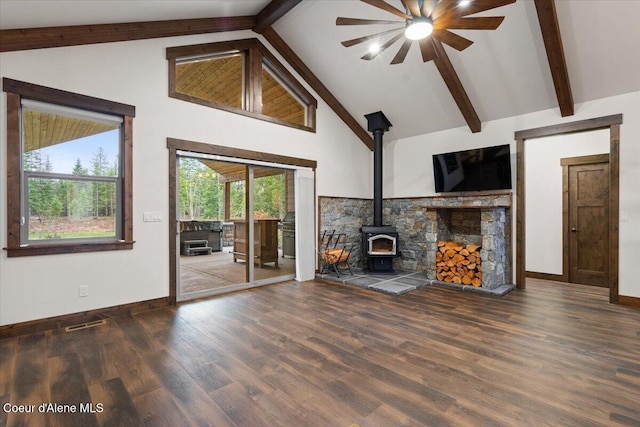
(378,124)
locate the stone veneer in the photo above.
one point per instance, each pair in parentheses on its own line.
(346,215)
(421,222)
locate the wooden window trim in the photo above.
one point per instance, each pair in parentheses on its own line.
(255,53)
(16,90)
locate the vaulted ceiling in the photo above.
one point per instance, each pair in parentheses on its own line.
(585,50)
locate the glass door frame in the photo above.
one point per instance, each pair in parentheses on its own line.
(250,281)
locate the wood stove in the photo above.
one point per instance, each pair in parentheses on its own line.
(379,242)
(379,246)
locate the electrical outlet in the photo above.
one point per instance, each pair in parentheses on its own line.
(83,291)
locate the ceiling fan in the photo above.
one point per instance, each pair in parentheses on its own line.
(429,23)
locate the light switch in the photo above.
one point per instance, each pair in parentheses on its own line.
(624,216)
(152,216)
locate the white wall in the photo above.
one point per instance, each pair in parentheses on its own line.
(408,161)
(543,178)
(136,73)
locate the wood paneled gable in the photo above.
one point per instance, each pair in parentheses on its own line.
(216,79)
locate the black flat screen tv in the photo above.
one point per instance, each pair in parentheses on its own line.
(480,169)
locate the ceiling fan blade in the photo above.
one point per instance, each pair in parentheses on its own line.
(412,6)
(402,53)
(357,21)
(483,23)
(455,41)
(475,6)
(369,56)
(443,8)
(427,49)
(428,6)
(353,42)
(482,5)
(381,4)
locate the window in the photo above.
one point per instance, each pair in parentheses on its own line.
(278,101)
(242,77)
(213,78)
(68,172)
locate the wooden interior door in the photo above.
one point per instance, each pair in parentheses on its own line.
(587,228)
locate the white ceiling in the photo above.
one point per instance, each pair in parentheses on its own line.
(505,72)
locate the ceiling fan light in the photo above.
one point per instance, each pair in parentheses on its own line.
(418,28)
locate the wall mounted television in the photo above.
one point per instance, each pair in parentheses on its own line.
(479,169)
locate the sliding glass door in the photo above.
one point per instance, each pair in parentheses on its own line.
(231,216)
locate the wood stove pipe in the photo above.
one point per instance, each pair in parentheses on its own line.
(378,124)
(377,177)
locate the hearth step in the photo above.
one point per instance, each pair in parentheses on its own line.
(392,288)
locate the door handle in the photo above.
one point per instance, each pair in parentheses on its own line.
(573,229)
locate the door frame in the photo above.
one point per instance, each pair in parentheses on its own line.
(174,145)
(566,164)
(612,123)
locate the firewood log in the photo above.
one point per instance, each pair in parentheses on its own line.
(459,263)
(473,248)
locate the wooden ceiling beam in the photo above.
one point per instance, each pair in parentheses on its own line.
(555,54)
(41,38)
(294,60)
(272,12)
(454,84)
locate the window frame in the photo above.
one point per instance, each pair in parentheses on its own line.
(255,53)
(16,92)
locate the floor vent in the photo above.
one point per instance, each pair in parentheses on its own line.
(85,325)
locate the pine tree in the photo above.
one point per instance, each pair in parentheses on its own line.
(100,190)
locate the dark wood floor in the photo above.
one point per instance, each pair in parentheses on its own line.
(317,354)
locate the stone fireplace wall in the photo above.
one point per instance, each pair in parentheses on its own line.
(346,215)
(421,222)
(459,225)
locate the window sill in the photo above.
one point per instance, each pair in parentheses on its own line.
(35,250)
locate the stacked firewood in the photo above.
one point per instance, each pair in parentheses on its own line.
(458,263)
